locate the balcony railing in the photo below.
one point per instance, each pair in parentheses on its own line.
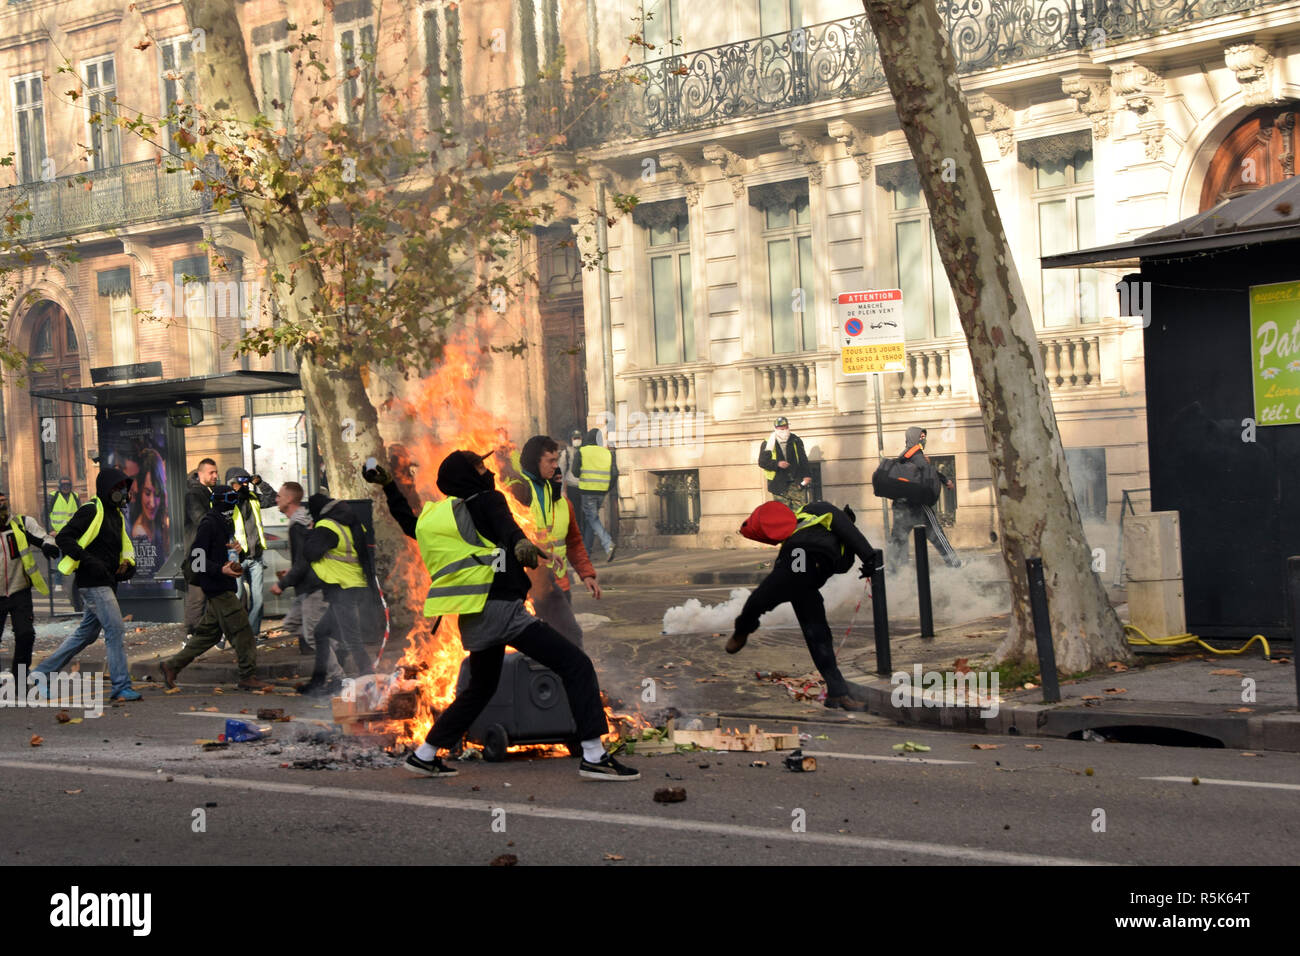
(105,199)
(927,377)
(1071,361)
(835,60)
(786,385)
(668,393)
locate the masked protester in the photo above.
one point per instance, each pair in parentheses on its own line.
(476,556)
(18,575)
(216,570)
(335,553)
(96,546)
(817,542)
(917,470)
(198,501)
(785,464)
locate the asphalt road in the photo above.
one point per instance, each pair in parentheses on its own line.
(132,786)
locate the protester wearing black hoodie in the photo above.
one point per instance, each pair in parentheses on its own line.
(223,612)
(102,559)
(342,620)
(503,620)
(806,561)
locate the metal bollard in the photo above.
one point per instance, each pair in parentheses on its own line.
(1043,630)
(880,616)
(1293,586)
(923,581)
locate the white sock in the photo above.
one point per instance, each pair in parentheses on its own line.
(593,751)
(425,752)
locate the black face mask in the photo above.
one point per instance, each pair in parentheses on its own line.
(485,481)
(121,496)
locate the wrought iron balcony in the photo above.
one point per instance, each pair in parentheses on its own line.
(838,59)
(106,199)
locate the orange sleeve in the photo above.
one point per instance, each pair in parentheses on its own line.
(576,551)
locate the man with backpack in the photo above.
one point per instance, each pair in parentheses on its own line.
(914,485)
(817,542)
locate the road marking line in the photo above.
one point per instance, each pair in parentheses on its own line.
(1231,783)
(887,758)
(969,854)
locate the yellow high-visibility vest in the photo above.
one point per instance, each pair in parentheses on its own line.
(597,468)
(794,453)
(65,506)
(807,520)
(341,565)
(554,533)
(460,561)
(241,535)
(25,552)
(68,565)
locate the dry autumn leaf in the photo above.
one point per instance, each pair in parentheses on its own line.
(78,790)
(1090,697)
(212,710)
(217,690)
(961,665)
(1241,710)
(1117,666)
(174,690)
(37,740)
(63,716)
(1227,672)
(612,856)
(1117,690)
(1033,746)
(985,746)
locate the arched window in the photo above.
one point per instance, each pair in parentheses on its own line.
(60,428)
(1259,152)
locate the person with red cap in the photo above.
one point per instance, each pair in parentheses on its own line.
(817,542)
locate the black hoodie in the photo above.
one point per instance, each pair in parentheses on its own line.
(214,534)
(101,556)
(458,478)
(320,541)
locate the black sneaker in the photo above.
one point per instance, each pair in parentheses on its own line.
(428,768)
(607,769)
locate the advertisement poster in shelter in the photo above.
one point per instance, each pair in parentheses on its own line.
(1275,352)
(137,445)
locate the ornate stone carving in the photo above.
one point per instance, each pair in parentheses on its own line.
(997,116)
(856,143)
(805,151)
(143,256)
(1154,139)
(1136,86)
(663,213)
(898,175)
(1054,149)
(733,166)
(1285,125)
(1091,98)
(781,195)
(683,172)
(1253,66)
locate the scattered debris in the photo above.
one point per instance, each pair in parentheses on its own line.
(315,763)
(217,690)
(1116,666)
(1117,690)
(505,859)
(215,745)
(1248,754)
(758,763)
(809,687)
(961,665)
(211,710)
(985,746)
(1087,771)
(270,713)
(1227,672)
(1196,781)
(754,740)
(1093,736)
(36,740)
(799,763)
(1241,710)
(1091,697)
(612,856)
(63,716)
(1033,746)
(70,792)
(670,795)
(908,747)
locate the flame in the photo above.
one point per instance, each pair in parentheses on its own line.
(446,416)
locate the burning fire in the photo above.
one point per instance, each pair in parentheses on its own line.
(445,400)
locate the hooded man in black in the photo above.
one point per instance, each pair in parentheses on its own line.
(198,500)
(918,469)
(216,572)
(503,620)
(806,561)
(342,620)
(95,543)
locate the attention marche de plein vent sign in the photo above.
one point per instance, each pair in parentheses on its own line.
(1275,350)
(871,331)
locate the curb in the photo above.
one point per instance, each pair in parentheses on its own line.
(1280,731)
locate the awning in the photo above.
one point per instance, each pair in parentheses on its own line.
(1265,215)
(166,392)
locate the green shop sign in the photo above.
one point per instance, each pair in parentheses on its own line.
(1275,347)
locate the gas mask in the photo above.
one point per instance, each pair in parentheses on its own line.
(121,495)
(225,500)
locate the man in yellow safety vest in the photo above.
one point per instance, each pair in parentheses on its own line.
(18,575)
(558,535)
(475,554)
(596,470)
(96,546)
(251,536)
(59,509)
(784,463)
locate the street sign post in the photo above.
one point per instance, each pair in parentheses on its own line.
(872,341)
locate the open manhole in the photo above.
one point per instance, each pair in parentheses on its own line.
(1148,734)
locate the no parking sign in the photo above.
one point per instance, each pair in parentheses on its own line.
(872,338)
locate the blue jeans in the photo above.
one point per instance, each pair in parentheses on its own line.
(592,525)
(102,612)
(252,579)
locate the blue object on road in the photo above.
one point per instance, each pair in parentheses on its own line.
(239,732)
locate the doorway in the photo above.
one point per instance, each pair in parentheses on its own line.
(55,357)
